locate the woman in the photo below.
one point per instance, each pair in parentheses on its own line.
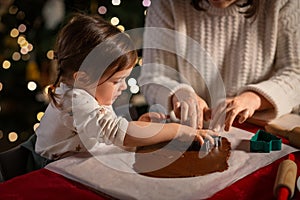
(253,46)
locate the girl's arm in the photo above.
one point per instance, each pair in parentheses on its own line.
(147,133)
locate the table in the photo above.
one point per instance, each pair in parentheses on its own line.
(44,184)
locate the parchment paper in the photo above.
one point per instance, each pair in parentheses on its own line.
(88,170)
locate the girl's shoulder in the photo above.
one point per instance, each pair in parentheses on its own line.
(71,98)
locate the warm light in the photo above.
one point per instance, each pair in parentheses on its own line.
(20,15)
(145,12)
(1,134)
(146,3)
(6,64)
(13,10)
(16,56)
(24,50)
(14,33)
(50,54)
(121,28)
(26,57)
(22,28)
(46,89)
(114,21)
(1,86)
(24,44)
(31,85)
(102,10)
(134,89)
(40,115)
(21,40)
(30,47)
(12,136)
(140,62)
(35,126)
(116,2)
(132,82)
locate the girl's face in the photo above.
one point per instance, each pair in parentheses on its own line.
(221,3)
(109,90)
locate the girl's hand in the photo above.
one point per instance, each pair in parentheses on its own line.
(153,117)
(190,108)
(202,134)
(187,133)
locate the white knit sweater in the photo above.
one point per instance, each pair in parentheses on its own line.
(261,55)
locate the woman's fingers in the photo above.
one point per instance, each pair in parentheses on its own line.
(184,111)
(190,113)
(189,108)
(218,117)
(244,115)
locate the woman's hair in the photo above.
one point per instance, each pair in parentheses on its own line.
(251,6)
(79,37)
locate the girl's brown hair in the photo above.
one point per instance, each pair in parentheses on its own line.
(78,38)
(251,7)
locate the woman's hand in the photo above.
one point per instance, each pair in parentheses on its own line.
(153,117)
(190,108)
(242,106)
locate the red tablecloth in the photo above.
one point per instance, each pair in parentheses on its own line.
(44,184)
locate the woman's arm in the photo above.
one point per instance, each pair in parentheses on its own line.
(159,75)
(282,90)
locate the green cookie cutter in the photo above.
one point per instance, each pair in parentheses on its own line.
(265,142)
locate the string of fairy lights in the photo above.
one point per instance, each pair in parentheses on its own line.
(25,53)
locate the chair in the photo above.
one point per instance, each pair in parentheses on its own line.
(13,162)
(20,160)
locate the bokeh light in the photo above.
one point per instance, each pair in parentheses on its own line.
(31,85)
(132,81)
(35,126)
(114,21)
(146,3)
(29,47)
(14,33)
(102,10)
(1,134)
(116,2)
(26,57)
(46,90)
(12,136)
(22,28)
(24,50)
(13,10)
(21,15)
(21,40)
(6,64)
(140,62)
(16,56)
(50,54)
(121,28)
(134,89)
(39,115)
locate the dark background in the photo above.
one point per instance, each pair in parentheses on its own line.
(43,18)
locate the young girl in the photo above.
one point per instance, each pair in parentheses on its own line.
(80,114)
